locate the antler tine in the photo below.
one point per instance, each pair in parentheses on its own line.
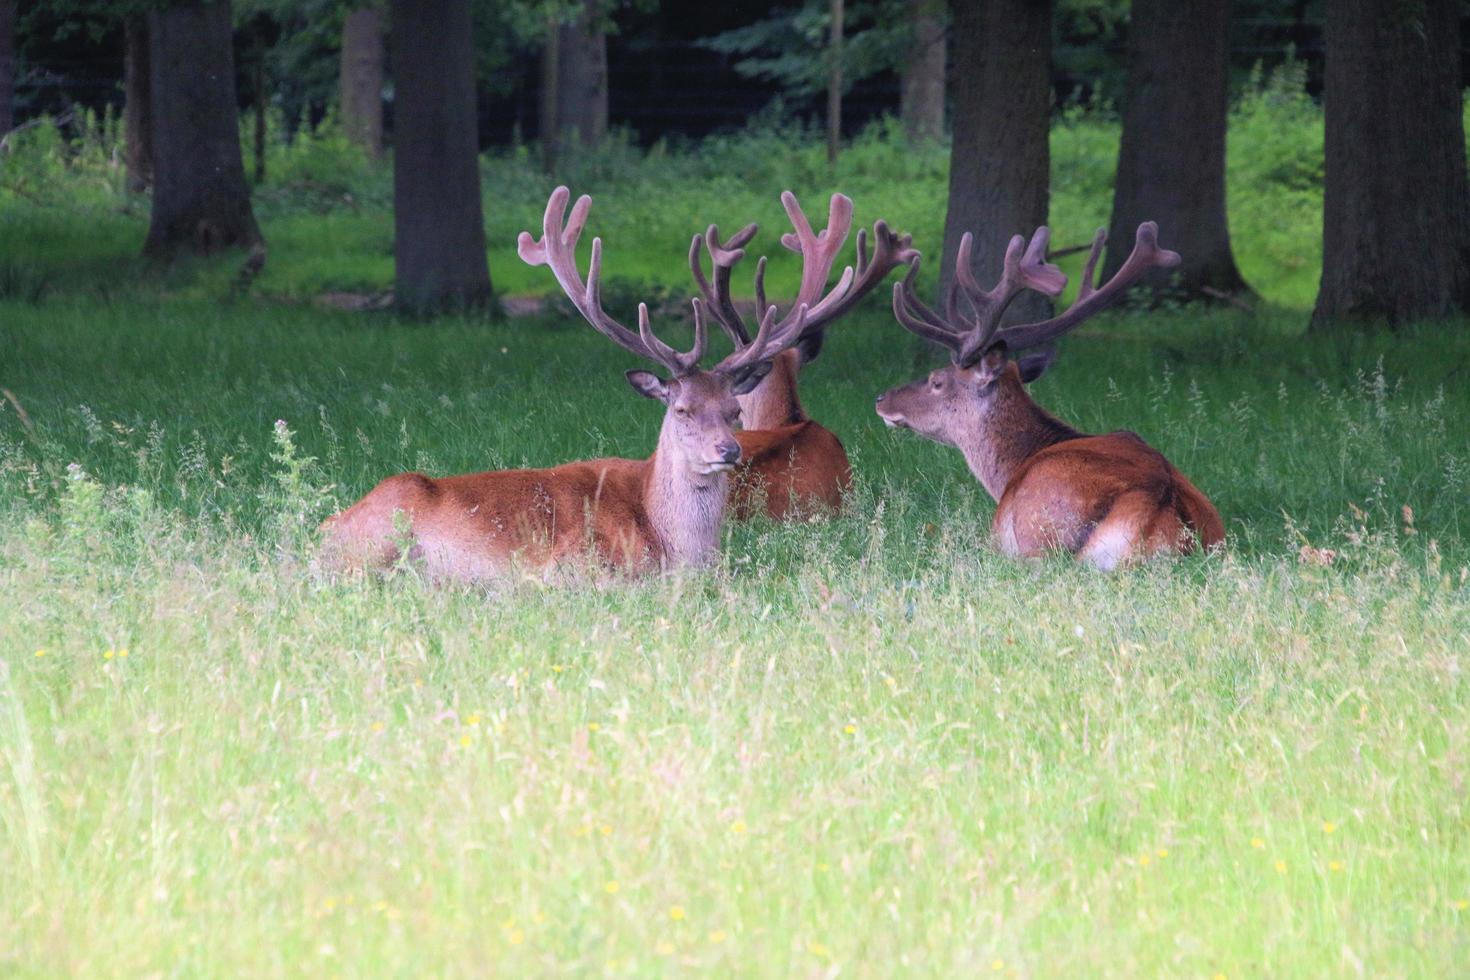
(1024,267)
(916,316)
(723,258)
(770,339)
(1146,256)
(557,249)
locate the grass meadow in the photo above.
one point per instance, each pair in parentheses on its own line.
(864,747)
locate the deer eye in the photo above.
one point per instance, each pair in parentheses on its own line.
(681,410)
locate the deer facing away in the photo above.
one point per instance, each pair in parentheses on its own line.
(662,512)
(1108,499)
(791,465)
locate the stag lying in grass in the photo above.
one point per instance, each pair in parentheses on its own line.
(1108,499)
(791,465)
(636,515)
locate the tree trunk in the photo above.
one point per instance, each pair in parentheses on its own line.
(260,106)
(1396,218)
(549,124)
(7,66)
(834,84)
(137,105)
(360,79)
(921,85)
(999,164)
(439,231)
(200,199)
(581,90)
(1171,160)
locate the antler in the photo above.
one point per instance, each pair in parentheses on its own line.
(819,250)
(557,249)
(969,338)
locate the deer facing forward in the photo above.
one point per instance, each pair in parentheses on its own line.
(1108,499)
(662,512)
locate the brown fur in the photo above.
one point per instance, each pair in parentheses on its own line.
(1108,499)
(789,466)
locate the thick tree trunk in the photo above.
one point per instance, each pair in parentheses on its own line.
(1171,161)
(581,89)
(1396,217)
(999,165)
(360,79)
(439,231)
(7,66)
(261,101)
(921,85)
(200,199)
(137,105)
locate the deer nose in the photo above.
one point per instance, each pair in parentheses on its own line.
(729,450)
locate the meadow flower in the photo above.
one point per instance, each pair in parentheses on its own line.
(664,947)
(472,720)
(850,729)
(1144,861)
(1328,827)
(516,937)
(1462,904)
(1280,867)
(466,741)
(817,949)
(1163,852)
(998,965)
(593,726)
(738,827)
(108,654)
(676,912)
(1334,865)
(717,936)
(123,652)
(611,887)
(377,726)
(605,830)
(1257,843)
(40,653)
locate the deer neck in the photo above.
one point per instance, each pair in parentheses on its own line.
(1013,429)
(774,403)
(686,510)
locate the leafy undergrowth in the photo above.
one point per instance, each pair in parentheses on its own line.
(868,746)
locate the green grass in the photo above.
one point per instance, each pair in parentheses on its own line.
(867,746)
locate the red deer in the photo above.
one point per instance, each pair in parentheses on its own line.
(791,465)
(1108,499)
(662,512)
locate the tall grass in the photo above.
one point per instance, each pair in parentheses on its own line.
(867,746)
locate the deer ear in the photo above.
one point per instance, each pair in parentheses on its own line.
(745,383)
(808,347)
(1034,363)
(649,385)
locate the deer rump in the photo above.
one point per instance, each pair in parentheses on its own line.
(1108,499)
(798,470)
(479,525)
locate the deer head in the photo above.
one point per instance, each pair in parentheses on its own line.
(700,406)
(982,385)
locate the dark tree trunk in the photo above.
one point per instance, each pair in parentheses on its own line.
(439,231)
(999,165)
(360,79)
(137,104)
(581,90)
(1396,217)
(260,106)
(7,66)
(921,87)
(201,202)
(548,123)
(1171,161)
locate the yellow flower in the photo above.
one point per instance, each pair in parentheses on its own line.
(377,726)
(676,912)
(1328,827)
(850,729)
(605,830)
(1144,861)
(824,866)
(380,906)
(890,681)
(593,726)
(583,830)
(472,720)
(557,668)
(664,948)
(1280,867)
(40,653)
(1219,976)
(717,936)
(738,827)
(1463,904)
(1257,843)
(611,887)
(465,740)
(123,652)
(516,937)
(1334,865)
(107,654)
(817,949)
(1163,852)
(998,965)
(329,904)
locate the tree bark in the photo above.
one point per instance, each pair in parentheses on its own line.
(261,102)
(921,85)
(834,84)
(360,79)
(201,202)
(1396,216)
(7,66)
(1000,160)
(137,105)
(581,89)
(439,231)
(1171,160)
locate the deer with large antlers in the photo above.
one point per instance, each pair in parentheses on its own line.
(790,464)
(638,515)
(1108,499)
